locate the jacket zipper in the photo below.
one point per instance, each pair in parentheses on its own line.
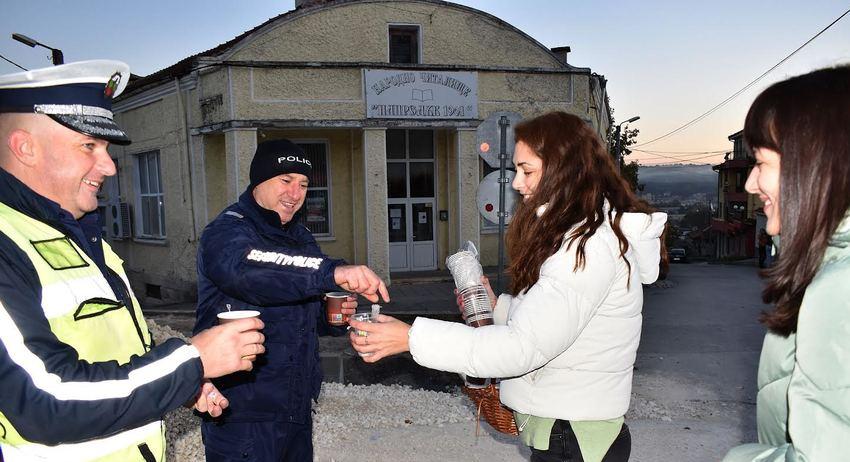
(128,303)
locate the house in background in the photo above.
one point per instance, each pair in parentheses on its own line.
(737,220)
(390,100)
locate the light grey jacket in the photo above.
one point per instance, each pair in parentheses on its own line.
(803,403)
(567,345)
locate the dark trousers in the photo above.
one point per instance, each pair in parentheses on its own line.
(563,446)
(258,442)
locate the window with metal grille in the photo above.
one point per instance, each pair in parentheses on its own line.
(150,202)
(316,212)
(404,44)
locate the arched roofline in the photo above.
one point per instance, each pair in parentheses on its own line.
(216,55)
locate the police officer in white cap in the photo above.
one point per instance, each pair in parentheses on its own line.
(80,376)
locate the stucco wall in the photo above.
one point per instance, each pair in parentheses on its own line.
(169,263)
(450,35)
(336,94)
(215,178)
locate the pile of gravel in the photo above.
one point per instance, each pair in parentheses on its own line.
(340,408)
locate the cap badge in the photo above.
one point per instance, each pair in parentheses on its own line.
(112,85)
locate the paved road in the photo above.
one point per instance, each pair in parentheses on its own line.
(697,364)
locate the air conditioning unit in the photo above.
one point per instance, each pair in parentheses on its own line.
(118,224)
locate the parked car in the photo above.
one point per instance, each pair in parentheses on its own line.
(677,255)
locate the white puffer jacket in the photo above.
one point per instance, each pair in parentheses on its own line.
(566,346)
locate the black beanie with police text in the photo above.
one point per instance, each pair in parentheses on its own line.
(277,157)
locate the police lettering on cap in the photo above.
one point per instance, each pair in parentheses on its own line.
(277,157)
(77,95)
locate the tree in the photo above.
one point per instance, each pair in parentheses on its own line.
(628,137)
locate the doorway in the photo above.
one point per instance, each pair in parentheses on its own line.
(411,205)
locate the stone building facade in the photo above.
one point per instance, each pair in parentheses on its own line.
(739,213)
(393,100)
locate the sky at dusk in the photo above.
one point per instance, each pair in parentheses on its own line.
(666,61)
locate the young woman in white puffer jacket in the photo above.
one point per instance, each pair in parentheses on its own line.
(564,340)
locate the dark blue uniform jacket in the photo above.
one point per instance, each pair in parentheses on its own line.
(249,261)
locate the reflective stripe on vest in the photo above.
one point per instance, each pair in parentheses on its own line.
(83,312)
(121,447)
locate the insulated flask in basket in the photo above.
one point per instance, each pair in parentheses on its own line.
(467,272)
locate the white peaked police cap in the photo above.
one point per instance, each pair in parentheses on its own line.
(77,95)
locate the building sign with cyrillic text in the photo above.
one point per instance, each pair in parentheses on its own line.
(407,94)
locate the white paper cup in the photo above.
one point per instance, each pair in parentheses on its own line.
(229,316)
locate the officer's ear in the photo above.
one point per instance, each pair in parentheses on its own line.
(21,144)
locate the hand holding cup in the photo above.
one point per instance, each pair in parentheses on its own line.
(226,348)
(339,307)
(379,337)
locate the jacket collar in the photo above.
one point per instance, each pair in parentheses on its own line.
(20,197)
(257,213)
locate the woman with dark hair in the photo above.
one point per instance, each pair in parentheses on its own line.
(564,340)
(798,131)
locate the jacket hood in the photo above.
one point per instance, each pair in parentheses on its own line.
(643,231)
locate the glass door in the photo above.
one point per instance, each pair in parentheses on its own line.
(410,200)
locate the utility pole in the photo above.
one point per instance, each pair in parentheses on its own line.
(503,180)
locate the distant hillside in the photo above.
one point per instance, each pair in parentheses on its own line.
(679,179)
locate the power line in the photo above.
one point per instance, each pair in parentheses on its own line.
(678,152)
(685,157)
(658,157)
(13,63)
(723,103)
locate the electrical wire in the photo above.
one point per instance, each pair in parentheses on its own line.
(13,63)
(642,161)
(723,103)
(687,153)
(685,157)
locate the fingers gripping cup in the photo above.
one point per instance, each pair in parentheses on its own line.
(333,307)
(230,316)
(362,317)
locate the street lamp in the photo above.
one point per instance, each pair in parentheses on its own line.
(619,145)
(58,57)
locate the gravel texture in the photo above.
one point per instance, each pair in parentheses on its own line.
(368,408)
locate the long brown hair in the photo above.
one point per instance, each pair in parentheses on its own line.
(578,175)
(805,119)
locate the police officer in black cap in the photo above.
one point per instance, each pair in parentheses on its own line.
(80,375)
(256,255)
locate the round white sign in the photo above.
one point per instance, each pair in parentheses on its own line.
(488,196)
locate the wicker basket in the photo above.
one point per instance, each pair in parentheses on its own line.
(487,401)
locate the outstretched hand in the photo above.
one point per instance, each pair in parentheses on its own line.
(362,280)
(386,337)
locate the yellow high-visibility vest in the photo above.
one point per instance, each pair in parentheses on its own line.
(84,313)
